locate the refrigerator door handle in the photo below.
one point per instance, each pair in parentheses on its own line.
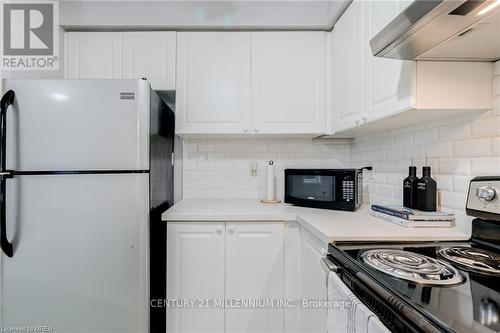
(6,101)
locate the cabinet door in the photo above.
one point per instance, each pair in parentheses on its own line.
(213,82)
(388,82)
(150,55)
(195,271)
(93,55)
(346,82)
(254,271)
(313,282)
(288,80)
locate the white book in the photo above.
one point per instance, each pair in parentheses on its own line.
(413,223)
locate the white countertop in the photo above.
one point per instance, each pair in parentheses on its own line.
(327,225)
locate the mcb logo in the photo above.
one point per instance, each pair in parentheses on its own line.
(29,35)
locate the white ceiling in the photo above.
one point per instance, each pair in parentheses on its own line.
(200,15)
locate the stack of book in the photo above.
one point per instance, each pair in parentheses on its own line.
(408,217)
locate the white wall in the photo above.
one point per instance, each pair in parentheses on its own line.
(457,150)
(221,168)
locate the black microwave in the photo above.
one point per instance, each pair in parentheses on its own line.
(340,189)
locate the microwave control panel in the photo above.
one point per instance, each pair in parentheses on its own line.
(348,189)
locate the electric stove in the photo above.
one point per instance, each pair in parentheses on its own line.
(432,286)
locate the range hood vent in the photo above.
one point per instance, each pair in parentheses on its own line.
(442,30)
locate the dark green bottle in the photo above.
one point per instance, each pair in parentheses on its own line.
(426,191)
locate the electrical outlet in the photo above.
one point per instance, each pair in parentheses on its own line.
(253,169)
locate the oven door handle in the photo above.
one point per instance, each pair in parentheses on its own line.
(328,266)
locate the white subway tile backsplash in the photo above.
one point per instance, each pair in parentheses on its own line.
(414,151)
(486,127)
(461,183)
(404,139)
(452,200)
(221,168)
(196,175)
(439,150)
(454,166)
(455,132)
(426,136)
(206,148)
(471,148)
(444,182)
(386,190)
(486,166)
(394,178)
(205,184)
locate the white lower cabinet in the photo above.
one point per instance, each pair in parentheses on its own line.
(195,271)
(254,271)
(313,283)
(240,261)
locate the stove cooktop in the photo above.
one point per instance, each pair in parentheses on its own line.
(460,292)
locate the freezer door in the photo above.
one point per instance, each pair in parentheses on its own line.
(78,125)
(80,253)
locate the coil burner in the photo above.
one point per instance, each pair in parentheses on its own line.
(412,267)
(472,259)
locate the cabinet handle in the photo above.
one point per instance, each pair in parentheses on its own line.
(358,120)
(365,117)
(231,229)
(218,230)
(245,130)
(256,130)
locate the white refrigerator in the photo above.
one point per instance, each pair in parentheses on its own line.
(85,169)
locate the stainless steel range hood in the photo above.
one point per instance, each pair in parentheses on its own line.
(442,30)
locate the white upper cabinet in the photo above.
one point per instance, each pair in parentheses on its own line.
(213,82)
(387,82)
(122,55)
(93,55)
(364,89)
(287,90)
(150,55)
(345,87)
(288,82)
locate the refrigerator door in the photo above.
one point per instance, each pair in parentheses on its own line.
(78,125)
(80,253)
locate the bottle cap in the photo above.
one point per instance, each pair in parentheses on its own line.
(426,171)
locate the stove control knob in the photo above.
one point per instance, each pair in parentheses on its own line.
(486,193)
